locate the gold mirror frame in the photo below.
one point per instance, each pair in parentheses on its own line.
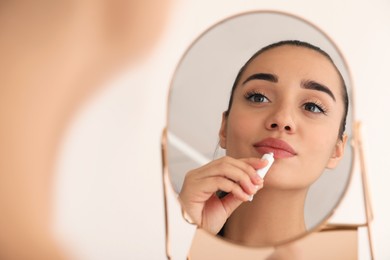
(356,144)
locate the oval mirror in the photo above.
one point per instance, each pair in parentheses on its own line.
(199,95)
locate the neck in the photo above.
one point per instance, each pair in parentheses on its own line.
(272,217)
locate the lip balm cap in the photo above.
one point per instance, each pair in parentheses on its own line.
(270,158)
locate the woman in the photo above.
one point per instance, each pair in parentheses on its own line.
(289,99)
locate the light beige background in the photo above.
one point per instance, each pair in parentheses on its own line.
(108,190)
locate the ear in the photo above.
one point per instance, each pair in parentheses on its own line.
(222,131)
(338,153)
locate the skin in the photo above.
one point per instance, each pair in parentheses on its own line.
(307,119)
(53,56)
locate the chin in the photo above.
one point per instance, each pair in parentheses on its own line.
(286,181)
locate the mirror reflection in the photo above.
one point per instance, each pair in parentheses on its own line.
(255,84)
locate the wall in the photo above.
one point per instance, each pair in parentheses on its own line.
(108,190)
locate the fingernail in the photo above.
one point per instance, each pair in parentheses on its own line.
(250,198)
(258,179)
(257,187)
(263,160)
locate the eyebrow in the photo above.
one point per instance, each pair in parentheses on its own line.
(310,84)
(262,76)
(306,84)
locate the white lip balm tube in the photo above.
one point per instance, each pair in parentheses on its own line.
(270,158)
(262,172)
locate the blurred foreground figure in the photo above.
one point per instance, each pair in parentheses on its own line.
(53,55)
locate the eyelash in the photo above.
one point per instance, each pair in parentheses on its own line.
(317,104)
(252,94)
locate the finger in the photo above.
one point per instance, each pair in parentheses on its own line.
(239,172)
(201,190)
(256,163)
(229,186)
(247,166)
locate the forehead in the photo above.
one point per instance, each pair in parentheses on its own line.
(298,63)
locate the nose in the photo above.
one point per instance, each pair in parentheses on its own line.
(281,119)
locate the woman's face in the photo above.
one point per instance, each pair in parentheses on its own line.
(289,102)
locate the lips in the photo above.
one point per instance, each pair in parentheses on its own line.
(278,147)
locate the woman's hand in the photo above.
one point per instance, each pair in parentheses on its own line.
(237,177)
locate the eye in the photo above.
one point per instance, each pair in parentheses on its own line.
(314,107)
(256,97)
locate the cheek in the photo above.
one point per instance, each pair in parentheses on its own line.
(319,147)
(241,131)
